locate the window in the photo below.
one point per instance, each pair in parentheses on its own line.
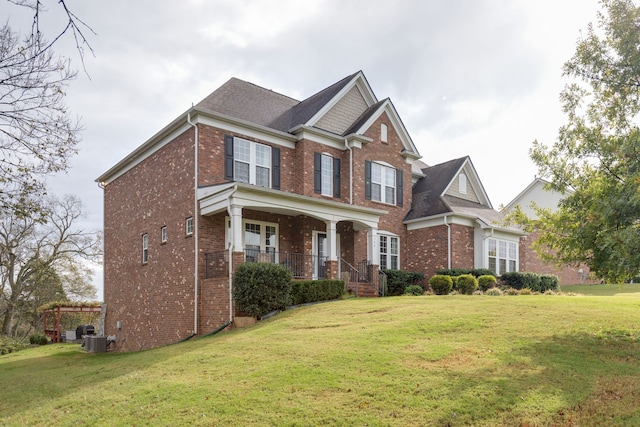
(389,252)
(502,256)
(383,132)
(189,226)
(383,183)
(145,248)
(163,234)
(251,162)
(462,183)
(326,175)
(260,240)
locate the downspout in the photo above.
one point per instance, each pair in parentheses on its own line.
(448,242)
(230,259)
(195,224)
(346,144)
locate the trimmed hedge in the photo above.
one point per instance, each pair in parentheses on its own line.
(487,281)
(466,284)
(441,284)
(399,280)
(305,291)
(414,290)
(260,288)
(38,339)
(536,282)
(475,272)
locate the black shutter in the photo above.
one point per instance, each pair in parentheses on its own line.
(275,168)
(336,177)
(367,180)
(399,187)
(228,157)
(317,173)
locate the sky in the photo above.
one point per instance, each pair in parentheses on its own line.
(468,77)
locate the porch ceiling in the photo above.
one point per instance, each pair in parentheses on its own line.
(219,198)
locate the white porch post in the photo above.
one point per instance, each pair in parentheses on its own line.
(373,254)
(236,228)
(332,240)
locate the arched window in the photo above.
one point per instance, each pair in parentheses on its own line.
(462,184)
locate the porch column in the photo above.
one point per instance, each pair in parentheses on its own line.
(373,254)
(332,240)
(236,228)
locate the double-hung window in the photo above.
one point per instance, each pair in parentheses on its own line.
(145,248)
(502,256)
(251,162)
(389,252)
(326,175)
(383,183)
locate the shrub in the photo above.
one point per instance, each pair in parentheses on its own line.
(512,291)
(525,291)
(441,284)
(306,291)
(536,282)
(260,288)
(476,272)
(487,281)
(10,345)
(399,280)
(466,284)
(38,339)
(415,290)
(494,292)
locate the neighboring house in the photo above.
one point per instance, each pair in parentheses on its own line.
(536,194)
(330,187)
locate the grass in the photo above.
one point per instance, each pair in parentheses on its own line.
(427,361)
(627,289)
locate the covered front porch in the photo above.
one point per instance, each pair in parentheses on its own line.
(313,238)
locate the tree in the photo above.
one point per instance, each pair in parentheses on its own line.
(596,158)
(41,261)
(37,134)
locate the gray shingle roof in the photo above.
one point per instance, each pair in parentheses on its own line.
(427,192)
(247,101)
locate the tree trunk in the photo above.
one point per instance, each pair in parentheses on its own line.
(7,325)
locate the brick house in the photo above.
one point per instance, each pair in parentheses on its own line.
(536,194)
(330,186)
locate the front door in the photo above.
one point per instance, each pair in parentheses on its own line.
(320,256)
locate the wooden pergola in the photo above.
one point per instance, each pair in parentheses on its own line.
(56,313)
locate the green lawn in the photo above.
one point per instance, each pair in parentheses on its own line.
(629,289)
(402,361)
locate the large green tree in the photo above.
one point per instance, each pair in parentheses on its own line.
(596,158)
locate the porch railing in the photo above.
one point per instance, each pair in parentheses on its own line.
(301,266)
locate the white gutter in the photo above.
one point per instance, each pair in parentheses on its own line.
(346,144)
(448,242)
(195,224)
(230,255)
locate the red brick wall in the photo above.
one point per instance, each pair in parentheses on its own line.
(153,301)
(429,249)
(531,262)
(390,153)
